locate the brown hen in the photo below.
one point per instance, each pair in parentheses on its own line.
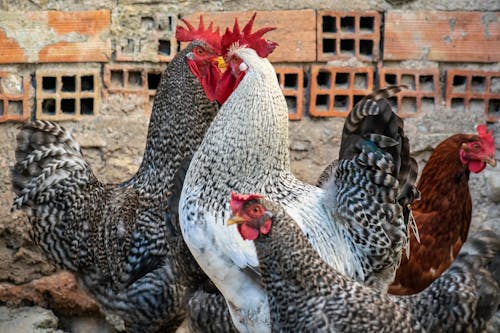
(443,214)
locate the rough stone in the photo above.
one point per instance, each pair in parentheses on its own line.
(28,319)
(58,292)
(493,184)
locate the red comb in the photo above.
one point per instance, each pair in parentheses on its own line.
(254,40)
(208,35)
(487,138)
(237,199)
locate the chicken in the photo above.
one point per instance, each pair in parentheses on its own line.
(358,225)
(118,239)
(307,295)
(443,214)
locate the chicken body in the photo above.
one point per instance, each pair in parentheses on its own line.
(119,239)
(443,215)
(307,295)
(246,150)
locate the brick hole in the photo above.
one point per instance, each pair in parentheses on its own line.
(153,80)
(87,106)
(49,106)
(164,47)
(68,106)
(68,83)
(366,24)
(458,104)
(409,104)
(1,108)
(170,23)
(494,108)
(342,80)
(476,105)
(291,102)
(329,45)
(427,103)
(347,24)
(495,85)
(117,79)
(15,108)
(341,102)
(147,23)
(459,82)
(291,80)
(134,79)
(322,102)
(356,99)
(49,83)
(478,84)
(409,80)
(129,46)
(361,81)
(347,46)
(324,79)
(391,79)
(366,47)
(426,83)
(87,83)
(329,24)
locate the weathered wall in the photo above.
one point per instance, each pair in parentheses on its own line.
(113,139)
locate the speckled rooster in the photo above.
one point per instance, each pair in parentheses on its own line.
(358,224)
(119,239)
(307,295)
(443,215)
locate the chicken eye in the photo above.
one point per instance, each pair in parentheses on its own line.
(200,51)
(235,58)
(476,146)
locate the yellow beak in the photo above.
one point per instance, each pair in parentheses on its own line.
(220,63)
(235,219)
(491,161)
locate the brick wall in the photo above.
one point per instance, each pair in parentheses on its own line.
(326,61)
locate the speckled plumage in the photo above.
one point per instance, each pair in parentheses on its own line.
(307,295)
(246,150)
(119,239)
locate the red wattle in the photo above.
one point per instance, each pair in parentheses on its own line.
(476,166)
(248,233)
(227,84)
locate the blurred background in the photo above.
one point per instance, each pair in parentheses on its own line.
(94,66)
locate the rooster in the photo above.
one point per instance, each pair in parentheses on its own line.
(358,225)
(307,295)
(443,214)
(118,239)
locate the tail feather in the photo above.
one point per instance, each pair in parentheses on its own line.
(46,153)
(373,185)
(467,295)
(47,178)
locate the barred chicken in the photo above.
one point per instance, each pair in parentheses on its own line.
(358,225)
(119,240)
(307,295)
(443,215)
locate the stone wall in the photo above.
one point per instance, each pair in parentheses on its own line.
(128,43)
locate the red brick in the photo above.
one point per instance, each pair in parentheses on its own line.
(67,94)
(335,90)
(136,80)
(295,33)
(464,87)
(442,36)
(424,88)
(348,34)
(161,48)
(14,92)
(291,79)
(89,28)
